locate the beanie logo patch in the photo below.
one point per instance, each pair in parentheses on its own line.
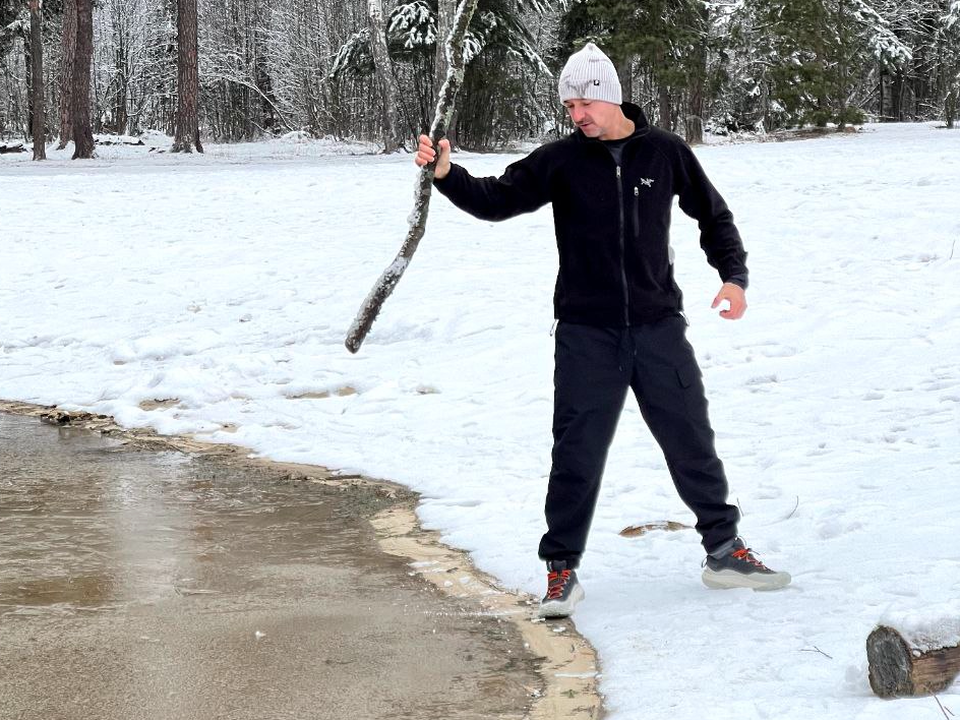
(577,89)
(596,83)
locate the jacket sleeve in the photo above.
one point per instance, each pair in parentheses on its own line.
(521,189)
(719,237)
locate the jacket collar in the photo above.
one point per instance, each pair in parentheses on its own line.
(634,113)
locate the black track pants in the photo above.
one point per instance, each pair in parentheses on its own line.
(594,367)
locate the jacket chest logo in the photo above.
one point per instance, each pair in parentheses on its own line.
(646,182)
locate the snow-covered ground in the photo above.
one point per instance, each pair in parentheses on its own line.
(224,284)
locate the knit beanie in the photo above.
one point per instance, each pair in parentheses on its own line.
(589,75)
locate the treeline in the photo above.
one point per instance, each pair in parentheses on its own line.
(240,69)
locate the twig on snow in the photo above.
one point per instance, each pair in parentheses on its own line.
(818,650)
(794,509)
(947,712)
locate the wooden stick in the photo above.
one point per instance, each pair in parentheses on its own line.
(418,218)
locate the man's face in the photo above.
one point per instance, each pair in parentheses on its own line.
(595,118)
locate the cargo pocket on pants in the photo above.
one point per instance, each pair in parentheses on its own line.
(688,375)
(692,392)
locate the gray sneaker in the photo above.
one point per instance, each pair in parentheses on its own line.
(563,591)
(740,569)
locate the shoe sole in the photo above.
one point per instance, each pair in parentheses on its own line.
(729,580)
(564,608)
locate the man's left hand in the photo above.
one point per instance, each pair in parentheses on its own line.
(735,295)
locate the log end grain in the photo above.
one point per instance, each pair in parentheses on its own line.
(890,662)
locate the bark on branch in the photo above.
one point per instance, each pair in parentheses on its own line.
(418,218)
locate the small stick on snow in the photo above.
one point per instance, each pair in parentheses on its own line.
(418,218)
(947,712)
(816,649)
(794,509)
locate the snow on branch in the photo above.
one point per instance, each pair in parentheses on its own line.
(352,53)
(509,32)
(412,27)
(414,23)
(953,15)
(20,26)
(884,43)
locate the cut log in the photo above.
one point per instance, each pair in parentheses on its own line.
(19,148)
(899,666)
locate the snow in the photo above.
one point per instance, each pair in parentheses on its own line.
(928,628)
(226,282)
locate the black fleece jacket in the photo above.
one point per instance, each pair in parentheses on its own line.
(612,221)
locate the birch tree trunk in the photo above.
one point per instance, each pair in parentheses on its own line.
(418,218)
(82,134)
(384,73)
(36,83)
(68,51)
(187,131)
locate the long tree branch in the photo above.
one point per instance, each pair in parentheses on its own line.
(446,103)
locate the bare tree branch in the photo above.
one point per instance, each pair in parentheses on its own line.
(446,104)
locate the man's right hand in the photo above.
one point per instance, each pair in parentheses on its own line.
(426,154)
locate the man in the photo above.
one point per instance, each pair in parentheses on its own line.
(620,324)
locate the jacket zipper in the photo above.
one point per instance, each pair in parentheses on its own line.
(636,213)
(623,253)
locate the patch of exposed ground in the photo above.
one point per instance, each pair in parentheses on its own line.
(566,663)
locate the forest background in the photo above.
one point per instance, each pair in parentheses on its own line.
(232,70)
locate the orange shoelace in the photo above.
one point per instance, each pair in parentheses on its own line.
(747,555)
(556,582)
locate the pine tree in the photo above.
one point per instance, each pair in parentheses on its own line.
(496,30)
(740,76)
(80,92)
(188,82)
(665,38)
(820,48)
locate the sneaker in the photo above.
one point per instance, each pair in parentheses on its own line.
(740,569)
(563,591)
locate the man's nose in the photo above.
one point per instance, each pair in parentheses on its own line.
(576,115)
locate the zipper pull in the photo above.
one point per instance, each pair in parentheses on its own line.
(636,191)
(618,172)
